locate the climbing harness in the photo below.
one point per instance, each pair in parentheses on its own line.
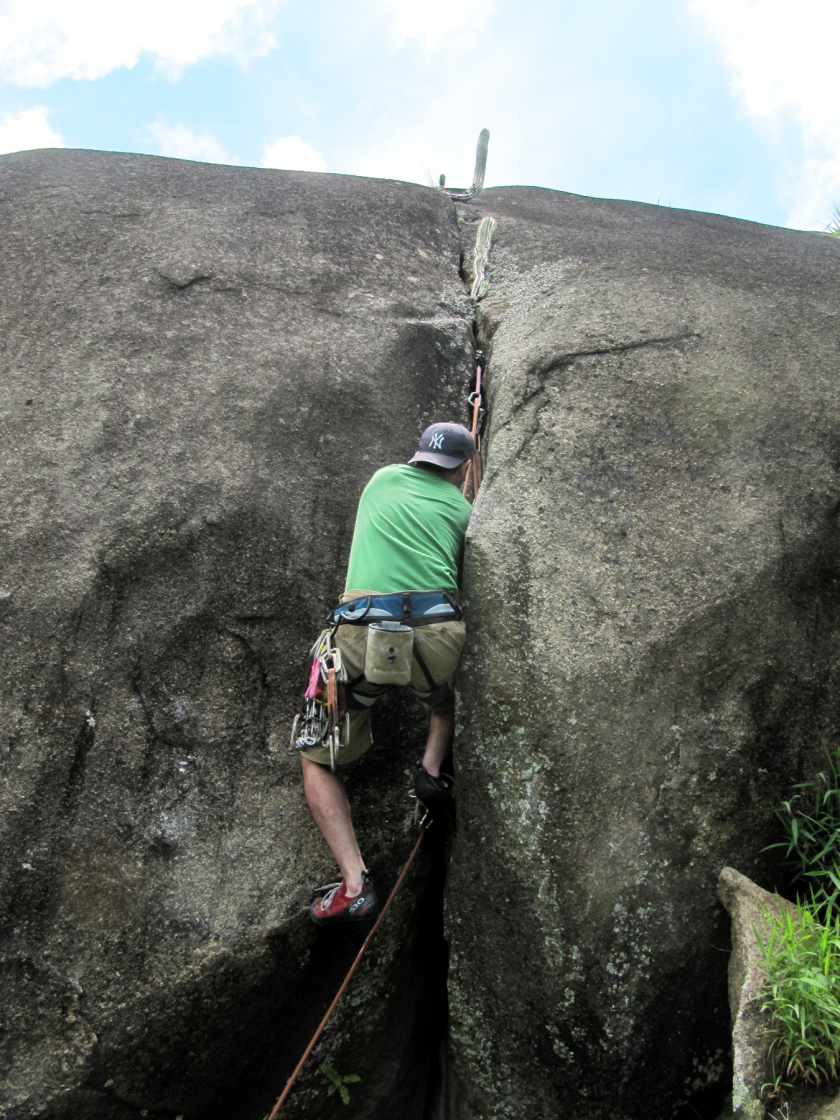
(323,719)
(474,467)
(412,608)
(425,824)
(458,193)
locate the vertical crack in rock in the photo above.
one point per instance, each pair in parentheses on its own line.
(83,745)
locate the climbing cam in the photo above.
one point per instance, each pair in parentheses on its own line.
(323,720)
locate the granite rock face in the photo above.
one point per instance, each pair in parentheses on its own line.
(200,369)
(653,586)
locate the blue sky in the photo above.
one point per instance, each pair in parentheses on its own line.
(729,106)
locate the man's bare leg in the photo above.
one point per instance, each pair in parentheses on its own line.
(330,810)
(441,733)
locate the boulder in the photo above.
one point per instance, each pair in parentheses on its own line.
(751,910)
(653,588)
(201,368)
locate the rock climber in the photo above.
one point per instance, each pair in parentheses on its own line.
(404,571)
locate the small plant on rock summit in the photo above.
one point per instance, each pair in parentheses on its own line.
(833,226)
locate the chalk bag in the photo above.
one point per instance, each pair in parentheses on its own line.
(388,653)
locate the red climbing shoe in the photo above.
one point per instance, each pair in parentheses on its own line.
(336,907)
(437,794)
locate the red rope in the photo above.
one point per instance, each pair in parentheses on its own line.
(353,968)
(476,410)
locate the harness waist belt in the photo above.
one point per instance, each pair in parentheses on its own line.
(413,607)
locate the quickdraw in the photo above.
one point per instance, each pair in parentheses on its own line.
(323,720)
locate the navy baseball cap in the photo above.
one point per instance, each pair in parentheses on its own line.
(445,445)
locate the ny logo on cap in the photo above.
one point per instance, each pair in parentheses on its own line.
(436,441)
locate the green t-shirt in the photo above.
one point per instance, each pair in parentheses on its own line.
(409,533)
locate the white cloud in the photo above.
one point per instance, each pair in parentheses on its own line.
(42,41)
(28,129)
(785,61)
(432,22)
(817,190)
(293,154)
(182,143)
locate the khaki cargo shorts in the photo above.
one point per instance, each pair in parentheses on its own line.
(439,644)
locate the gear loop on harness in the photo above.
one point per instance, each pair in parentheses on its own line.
(342,618)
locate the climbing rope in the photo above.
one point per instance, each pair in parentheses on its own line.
(475,462)
(424,826)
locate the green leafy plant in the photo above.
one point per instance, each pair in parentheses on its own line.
(338,1084)
(802,968)
(811,820)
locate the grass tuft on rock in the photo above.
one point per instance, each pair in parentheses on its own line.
(802,968)
(811,820)
(802,953)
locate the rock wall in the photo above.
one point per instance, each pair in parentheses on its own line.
(200,367)
(654,604)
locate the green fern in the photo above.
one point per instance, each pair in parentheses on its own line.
(338,1084)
